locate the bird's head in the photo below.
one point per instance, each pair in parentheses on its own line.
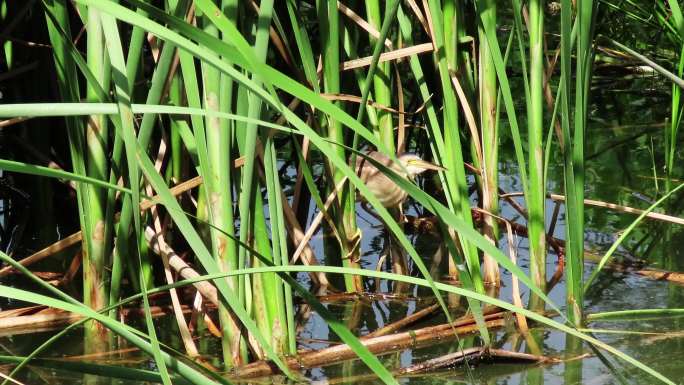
(415,165)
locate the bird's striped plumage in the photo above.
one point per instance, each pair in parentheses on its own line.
(388,192)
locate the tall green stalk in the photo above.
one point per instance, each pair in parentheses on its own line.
(280,315)
(123,251)
(490,140)
(217,96)
(573,148)
(89,148)
(67,82)
(175,169)
(267,304)
(450,151)
(273,321)
(537,185)
(381,81)
(263,287)
(96,250)
(673,17)
(677,110)
(227,251)
(328,18)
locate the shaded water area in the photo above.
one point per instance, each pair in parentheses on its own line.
(624,142)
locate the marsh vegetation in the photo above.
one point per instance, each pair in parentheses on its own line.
(181,199)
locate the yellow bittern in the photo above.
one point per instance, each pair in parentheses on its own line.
(388,192)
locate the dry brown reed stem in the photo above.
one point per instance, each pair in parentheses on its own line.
(211,326)
(548,96)
(470,117)
(517,301)
(556,244)
(660,275)
(154,47)
(313,227)
(361,22)
(419,15)
(429,224)
(408,320)
(35,323)
(176,262)
(554,219)
(50,319)
(72,270)
(517,206)
(558,274)
(377,345)
(626,209)
(560,268)
(44,253)
(21,311)
(612,206)
(176,57)
(186,336)
(401,123)
(296,196)
(357,99)
(13,121)
(298,237)
(178,189)
(199,310)
(388,56)
(428,17)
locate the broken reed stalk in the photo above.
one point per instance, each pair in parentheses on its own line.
(51,319)
(608,205)
(515,290)
(377,345)
(661,275)
(313,227)
(388,56)
(186,335)
(44,253)
(476,354)
(183,269)
(408,320)
(368,296)
(362,23)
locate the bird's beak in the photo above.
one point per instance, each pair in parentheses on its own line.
(426,165)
